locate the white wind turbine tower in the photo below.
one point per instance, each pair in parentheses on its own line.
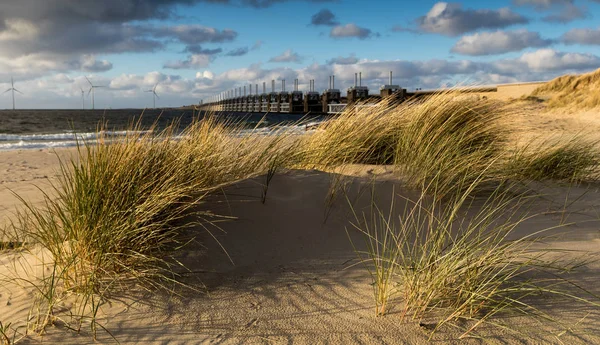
(92,87)
(82,99)
(12,88)
(154,95)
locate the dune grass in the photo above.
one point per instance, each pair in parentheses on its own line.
(439,140)
(569,159)
(575,92)
(457,260)
(448,140)
(356,136)
(118,208)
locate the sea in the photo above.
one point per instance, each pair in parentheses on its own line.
(52,128)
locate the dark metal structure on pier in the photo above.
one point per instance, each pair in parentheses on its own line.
(391,90)
(273,99)
(296,99)
(283,99)
(357,92)
(312,102)
(331,98)
(264,100)
(256,100)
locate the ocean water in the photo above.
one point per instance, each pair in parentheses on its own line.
(39,129)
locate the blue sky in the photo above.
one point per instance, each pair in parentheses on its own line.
(195,49)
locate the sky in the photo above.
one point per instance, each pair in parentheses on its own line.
(193,50)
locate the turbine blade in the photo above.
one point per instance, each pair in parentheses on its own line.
(6,91)
(91,88)
(86,78)
(156,95)
(19,91)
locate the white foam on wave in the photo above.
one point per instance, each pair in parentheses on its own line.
(57,140)
(63,136)
(293,129)
(30,145)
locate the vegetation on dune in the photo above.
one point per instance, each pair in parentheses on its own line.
(573,159)
(447,142)
(118,209)
(572,91)
(439,140)
(434,258)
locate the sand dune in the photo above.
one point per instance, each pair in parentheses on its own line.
(295,277)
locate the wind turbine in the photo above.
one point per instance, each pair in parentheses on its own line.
(82,99)
(92,87)
(154,95)
(12,88)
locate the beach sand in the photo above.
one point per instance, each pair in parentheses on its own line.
(290,274)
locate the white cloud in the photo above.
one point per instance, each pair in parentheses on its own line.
(340,60)
(287,56)
(547,60)
(350,30)
(582,36)
(542,4)
(90,64)
(499,42)
(451,20)
(192,62)
(205,75)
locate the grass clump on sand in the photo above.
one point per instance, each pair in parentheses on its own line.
(118,208)
(364,135)
(438,140)
(458,260)
(448,140)
(572,91)
(574,159)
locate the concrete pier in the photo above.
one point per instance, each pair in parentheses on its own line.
(330,100)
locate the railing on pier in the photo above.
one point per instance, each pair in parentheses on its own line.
(274,107)
(264,107)
(257,108)
(284,107)
(336,108)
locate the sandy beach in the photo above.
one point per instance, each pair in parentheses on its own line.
(290,274)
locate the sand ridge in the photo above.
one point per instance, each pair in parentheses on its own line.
(294,277)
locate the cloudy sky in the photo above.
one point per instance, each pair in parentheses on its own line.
(195,49)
